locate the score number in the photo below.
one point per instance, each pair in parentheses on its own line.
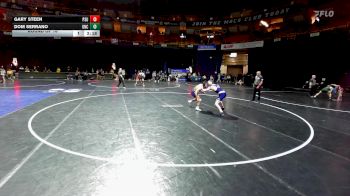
(78,33)
(86,33)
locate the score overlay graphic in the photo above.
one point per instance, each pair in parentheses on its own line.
(56,26)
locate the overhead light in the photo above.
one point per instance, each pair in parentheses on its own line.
(264,23)
(182,36)
(314,19)
(233,54)
(210,36)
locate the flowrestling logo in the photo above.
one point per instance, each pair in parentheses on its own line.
(324,13)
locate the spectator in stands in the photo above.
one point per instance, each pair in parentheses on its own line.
(35,69)
(157,78)
(2,74)
(188,77)
(98,75)
(212,78)
(77,74)
(223,76)
(21,68)
(111,71)
(163,76)
(193,77)
(70,76)
(114,71)
(154,73)
(228,78)
(219,78)
(101,74)
(84,75)
(47,69)
(169,77)
(323,83)
(10,74)
(58,70)
(148,74)
(27,69)
(178,76)
(134,75)
(240,82)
